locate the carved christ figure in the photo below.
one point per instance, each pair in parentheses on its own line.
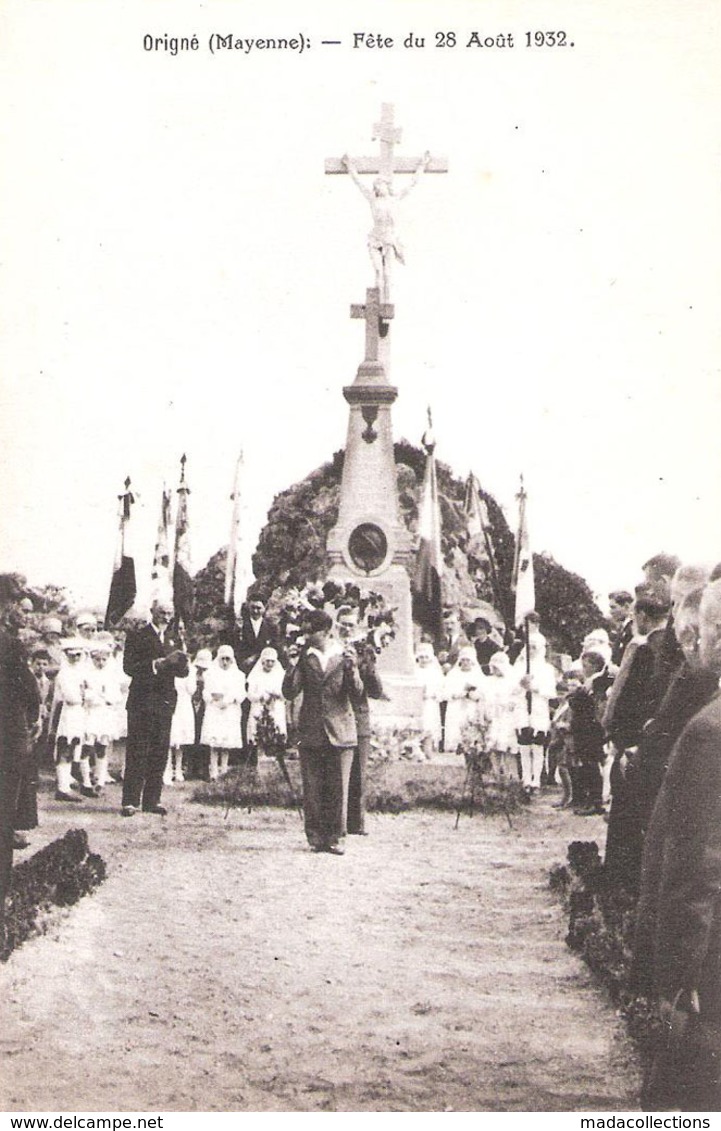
(383,243)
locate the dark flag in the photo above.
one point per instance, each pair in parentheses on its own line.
(182,581)
(122,587)
(426,584)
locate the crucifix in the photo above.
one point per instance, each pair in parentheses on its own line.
(383,244)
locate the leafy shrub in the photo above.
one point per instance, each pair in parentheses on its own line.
(57,876)
(601,929)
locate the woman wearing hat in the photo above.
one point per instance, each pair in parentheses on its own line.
(223,694)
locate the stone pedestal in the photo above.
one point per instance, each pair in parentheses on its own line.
(370,542)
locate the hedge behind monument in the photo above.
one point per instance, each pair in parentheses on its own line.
(57,876)
(291,551)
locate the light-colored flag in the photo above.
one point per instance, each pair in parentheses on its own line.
(477,520)
(123,587)
(426,584)
(183,596)
(160,574)
(523,583)
(238,568)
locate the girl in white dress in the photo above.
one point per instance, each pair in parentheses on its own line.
(265,690)
(102,695)
(533,727)
(69,696)
(430,676)
(465,696)
(224,691)
(182,728)
(501,708)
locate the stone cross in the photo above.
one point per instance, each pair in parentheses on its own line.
(377,315)
(386,163)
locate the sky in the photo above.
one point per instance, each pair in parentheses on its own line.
(177,271)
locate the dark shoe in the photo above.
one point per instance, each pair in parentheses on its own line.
(127,811)
(60,795)
(159,810)
(336,849)
(88,791)
(20,840)
(357,832)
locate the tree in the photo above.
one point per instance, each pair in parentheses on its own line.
(291,551)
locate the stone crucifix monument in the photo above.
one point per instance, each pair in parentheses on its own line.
(370,541)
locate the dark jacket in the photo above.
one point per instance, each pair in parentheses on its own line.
(686,872)
(326,713)
(688,691)
(246,644)
(372,689)
(152,691)
(19,707)
(633,697)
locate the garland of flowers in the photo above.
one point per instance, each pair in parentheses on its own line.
(376,619)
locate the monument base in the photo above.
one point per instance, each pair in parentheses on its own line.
(403,709)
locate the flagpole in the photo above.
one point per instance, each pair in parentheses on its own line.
(522,569)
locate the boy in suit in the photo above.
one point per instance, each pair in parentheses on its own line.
(328,676)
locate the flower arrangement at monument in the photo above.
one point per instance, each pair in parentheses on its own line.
(376,619)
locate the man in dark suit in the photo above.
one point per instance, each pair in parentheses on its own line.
(347,626)
(328,677)
(153,658)
(19,708)
(252,632)
(620,603)
(632,702)
(680,903)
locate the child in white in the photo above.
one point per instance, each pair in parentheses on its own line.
(464,693)
(502,740)
(533,725)
(224,691)
(69,696)
(430,675)
(182,727)
(102,695)
(265,690)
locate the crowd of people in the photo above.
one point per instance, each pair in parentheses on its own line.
(630,729)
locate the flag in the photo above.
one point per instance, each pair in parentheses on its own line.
(182,581)
(523,584)
(160,573)
(477,520)
(122,586)
(238,569)
(479,541)
(426,584)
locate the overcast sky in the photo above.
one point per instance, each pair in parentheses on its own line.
(177,271)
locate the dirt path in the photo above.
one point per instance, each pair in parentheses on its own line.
(224,967)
